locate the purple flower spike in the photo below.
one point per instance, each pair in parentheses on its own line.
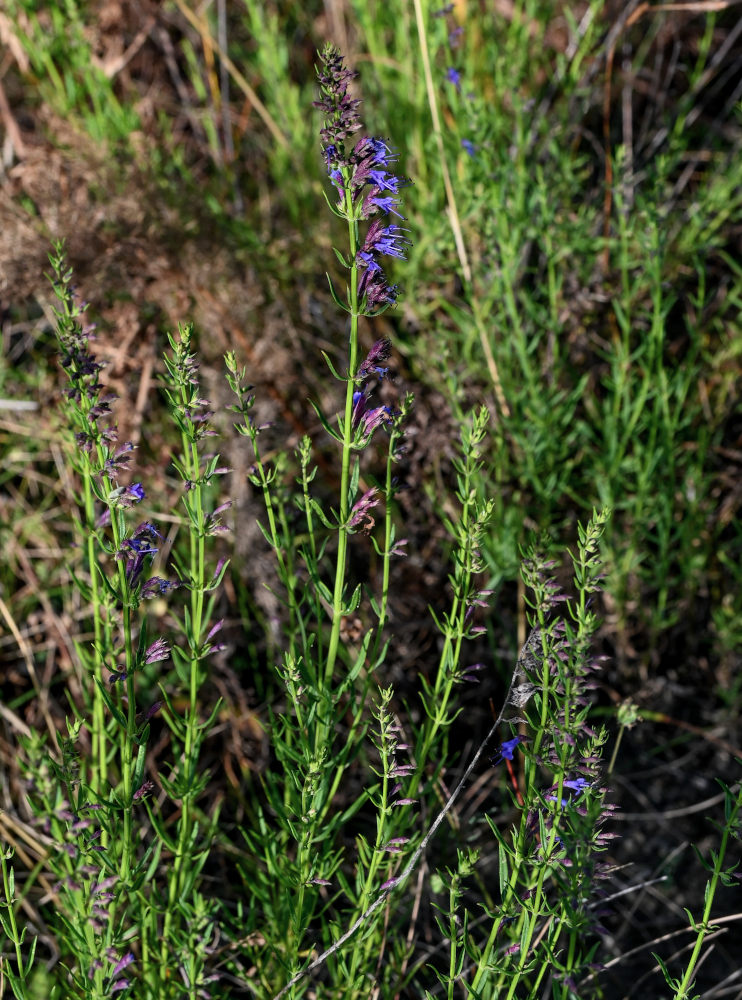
(340,111)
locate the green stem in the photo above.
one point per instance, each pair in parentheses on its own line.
(343,531)
(730,828)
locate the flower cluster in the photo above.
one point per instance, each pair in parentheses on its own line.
(364,181)
(137,551)
(76,834)
(366,419)
(573,808)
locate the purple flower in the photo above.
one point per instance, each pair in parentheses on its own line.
(360,515)
(395,845)
(469,146)
(379,352)
(157,587)
(127,496)
(386,240)
(470,672)
(375,418)
(374,291)
(144,789)
(578,785)
(159,650)
(453,76)
(123,963)
(135,550)
(507,749)
(375,202)
(212,521)
(117,462)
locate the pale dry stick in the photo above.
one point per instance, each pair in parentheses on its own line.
(113,65)
(453,214)
(238,78)
(395,883)
(619,959)
(11,126)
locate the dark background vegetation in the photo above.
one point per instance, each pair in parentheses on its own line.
(188,187)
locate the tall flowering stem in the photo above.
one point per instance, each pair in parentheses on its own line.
(100,460)
(88,410)
(198,471)
(365,187)
(552,867)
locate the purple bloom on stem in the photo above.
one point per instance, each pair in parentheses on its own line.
(360,515)
(380,154)
(387,240)
(471,671)
(145,788)
(578,785)
(507,749)
(136,548)
(157,587)
(469,146)
(359,406)
(212,523)
(123,963)
(398,548)
(374,292)
(453,76)
(379,352)
(370,263)
(159,650)
(126,496)
(385,181)
(375,202)
(375,418)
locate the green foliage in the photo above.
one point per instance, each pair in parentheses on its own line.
(66,71)
(575,302)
